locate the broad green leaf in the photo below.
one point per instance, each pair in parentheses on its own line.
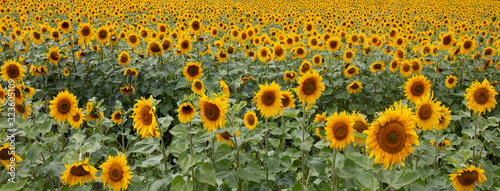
(152,161)
(403,178)
(145,146)
(161,184)
(187,161)
(17,185)
(178,184)
(367,180)
(252,172)
(317,164)
(45,127)
(361,160)
(207,174)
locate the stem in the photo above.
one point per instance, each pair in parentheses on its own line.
(437,150)
(50,178)
(283,134)
(474,139)
(213,152)
(123,138)
(334,187)
(302,147)
(267,149)
(237,161)
(192,151)
(163,148)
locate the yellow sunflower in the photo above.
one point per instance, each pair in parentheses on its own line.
(184,45)
(465,179)
(333,44)
(145,119)
(451,81)
(405,70)
(127,89)
(310,87)
(53,56)
(279,52)
(339,129)
(394,65)
(269,100)
(444,118)
(85,32)
(78,173)
(2,94)
(264,54)
(195,26)
(192,71)
(251,120)
(77,119)
(391,137)
(63,106)
(36,37)
(6,154)
(186,112)
(377,66)
(103,35)
(360,125)
(117,117)
(447,40)
(349,55)
(197,87)
(212,112)
(442,144)
(133,40)
(427,113)
(481,97)
(225,137)
(12,70)
(225,88)
(290,76)
(305,67)
(317,60)
(354,87)
(287,99)
(416,88)
(116,173)
(350,71)
(155,48)
(131,72)
(124,58)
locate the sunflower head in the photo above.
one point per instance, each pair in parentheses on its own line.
(145,118)
(339,129)
(290,76)
(225,137)
(354,87)
(197,87)
(63,106)
(467,178)
(77,119)
(212,112)
(287,100)
(131,72)
(360,125)
(103,35)
(310,87)
(78,173)
(427,113)
(417,88)
(186,112)
(155,48)
(53,56)
(251,120)
(117,117)
(481,97)
(127,89)
(6,155)
(116,173)
(184,45)
(269,100)
(12,70)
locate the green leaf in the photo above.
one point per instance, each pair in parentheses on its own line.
(251,173)
(146,146)
(187,161)
(290,112)
(152,161)
(90,147)
(403,178)
(179,184)
(367,180)
(45,127)
(18,185)
(317,164)
(361,160)
(165,121)
(359,135)
(207,174)
(161,184)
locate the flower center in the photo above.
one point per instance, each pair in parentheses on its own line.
(187,109)
(340,131)
(212,111)
(447,40)
(268,98)
(250,120)
(425,112)
(78,171)
(154,47)
(417,89)
(355,86)
(13,72)
(309,86)
(467,44)
(481,96)
(76,117)
(64,106)
(4,154)
(116,173)
(85,31)
(54,55)
(359,126)
(391,137)
(467,177)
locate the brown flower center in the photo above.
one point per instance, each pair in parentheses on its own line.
(300,51)
(309,86)
(340,131)
(425,112)
(78,171)
(192,70)
(132,39)
(187,109)
(467,44)
(359,126)
(65,25)
(54,55)
(13,71)
(147,117)
(268,98)
(166,44)
(377,66)
(4,154)
(278,51)
(185,44)
(225,135)
(391,137)
(36,35)
(76,117)
(63,106)
(115,173)
(348,55)
(447,40)
(481,96)
(124,58)
(250,120)
(355,86)
(154,47)
(468,177)
(212,111)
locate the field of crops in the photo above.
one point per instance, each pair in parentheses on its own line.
(249,95)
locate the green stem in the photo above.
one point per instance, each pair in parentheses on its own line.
(334,186)
(162,147)
(123,138)
(474,139)
(267,150)
(192,152)
(213,152)
(283,134)
(437,150)
(302,147)
(237,161)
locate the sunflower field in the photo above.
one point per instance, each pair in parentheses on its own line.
(249,95)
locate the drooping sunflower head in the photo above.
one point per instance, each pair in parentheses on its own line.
(391,137)
(131,72)
(53,56)
(124,58)
(225,138)
(192,71)
(12,70)
(127,89)
(354,87)
(290,76)
(427,113)
(212,112)
(310,87)
(78,173)
(6,155)
(197,87)
(481,97)
(144,118)
(339,129)
(417,88)
(63,106)
(269,100)
(360,125)
(287,100)
(467,178)
(377,66)
(116,173)
(186,112)
(251,120)
(117,117)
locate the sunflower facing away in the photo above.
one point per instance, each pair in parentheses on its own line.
(269,100)
(127,89)
(427,113)
(481,97)
(116,173)
(465,179)
(117,117)
(354,87)
(417,87)
(63,106)
(251,120)
(12,70)
(391,137)
(225,137)
(310,87)
(212,112)
(5,157)
(339,129)
(197,87)
(78,173)
(360,125)
(144,118)
(192,71)
(186,112)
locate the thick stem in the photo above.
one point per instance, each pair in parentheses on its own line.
(213,152)
(283,134)
(50,178)
(192,152)
(237,161)
(267,149)
(302,147)
(334,185)
(437,150)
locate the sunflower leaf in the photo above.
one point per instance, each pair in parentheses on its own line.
(317,164)
(403,178)
(207,174)
(14,186)
(146,146)
(180,185)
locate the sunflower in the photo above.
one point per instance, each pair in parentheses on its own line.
(77,119)
(399,54)
(444,118)
(186,112)
(447,40)
(354,87)
(481,97)
(290,76)
(195,26)
(222,55)
(417,88)
(63,106)
(305,67)
(36,37)
(103,35)
(251,120)
(53,56)
(317,60)
(85,32)
(427,113)
(154,48)
(2,94)
(197,87)
(394,65)
(124,58)
(442,144)
(131,72)
(351,71)
(349,55)
(66,72)
(377,66)
(301,52)
(184,45)
(225,137)
(451,81)
(192,71)
(6,155)
(145,119)
(269,100)
(310,87)
(390,138)
(12,70)
(287,99)
(225,88)
(319,118)
(279,52)
(405,70)
(65,26)
(54,33)
(467,46)
(166,44)
(264,54)
(360,125)
(489,51)
(78,173)
(416,66)
(127,89)
(465,179)
(212,112)
(117,117)
(133,40)
(339,129)
(116,173)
